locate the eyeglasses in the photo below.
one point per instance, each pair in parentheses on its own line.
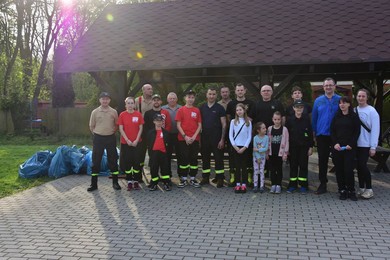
(328,86)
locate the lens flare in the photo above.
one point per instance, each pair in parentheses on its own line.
(110,17)
(139,55)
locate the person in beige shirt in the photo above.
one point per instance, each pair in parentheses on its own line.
(144,102)
(103,125)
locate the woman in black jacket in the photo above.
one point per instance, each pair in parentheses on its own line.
(345,130)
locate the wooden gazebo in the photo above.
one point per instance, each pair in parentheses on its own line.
(254,42)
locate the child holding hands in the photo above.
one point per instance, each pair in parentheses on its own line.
(260,148)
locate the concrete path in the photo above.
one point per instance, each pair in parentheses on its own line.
(61,220)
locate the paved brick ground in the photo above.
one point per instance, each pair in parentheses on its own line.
(61,220)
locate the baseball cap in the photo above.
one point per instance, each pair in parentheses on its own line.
(156,96)
(298,102)
(104,94)
(158,117)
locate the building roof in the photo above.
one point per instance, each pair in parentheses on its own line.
(231,33)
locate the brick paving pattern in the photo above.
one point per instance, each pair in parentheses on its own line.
(61,220)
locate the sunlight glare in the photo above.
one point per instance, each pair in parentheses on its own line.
(67,3)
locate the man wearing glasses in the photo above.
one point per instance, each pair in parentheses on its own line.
(324,110)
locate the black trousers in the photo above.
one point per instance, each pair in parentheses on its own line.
(188,159)
(129,162)
(209,145)
(241,174)
(142,152)
(299,161)
(344,163)
(101,143)
(276,167)
(172,147)
(323,148)
(158,161)
(364,173)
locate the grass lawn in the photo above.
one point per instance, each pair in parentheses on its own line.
(15,150)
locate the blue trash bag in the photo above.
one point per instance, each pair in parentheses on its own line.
(104,169)
(37,165)
(67,160)
(75,158)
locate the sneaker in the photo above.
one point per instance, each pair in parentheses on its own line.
(182,184)
(255,189)
(167,187)
(343,195)
(129,186)
(291,189)
(352,196)
(243,189)
(194,183)
(360,191)
(367,194)
(262,189)
(219,183)
(215,180)
(136,186)
(273,189)
(303,190)
(153,187)
(278,189)
(237,189)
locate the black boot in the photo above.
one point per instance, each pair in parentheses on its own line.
(115,183)
(343,195)
(352,196)
(219,183)
(93,184)
(205,179)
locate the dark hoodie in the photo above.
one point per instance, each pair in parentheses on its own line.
(345,129)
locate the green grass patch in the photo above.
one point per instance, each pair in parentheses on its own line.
(15,150)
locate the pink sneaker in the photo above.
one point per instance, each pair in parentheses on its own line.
(243,189)
(237,189)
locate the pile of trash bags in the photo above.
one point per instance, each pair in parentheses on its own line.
(64,161)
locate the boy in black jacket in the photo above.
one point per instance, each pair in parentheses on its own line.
(301,147)
(157,149)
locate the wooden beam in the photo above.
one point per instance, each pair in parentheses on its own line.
(252,88)
(379,96)
(286,82)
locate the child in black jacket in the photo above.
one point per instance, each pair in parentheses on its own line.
(157,149)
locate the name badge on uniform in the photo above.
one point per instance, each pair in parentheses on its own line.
(193,114)
(135,119)
(161,135)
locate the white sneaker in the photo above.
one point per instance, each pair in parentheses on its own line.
(360,191)
(273,189)
(278,189)
(367,194)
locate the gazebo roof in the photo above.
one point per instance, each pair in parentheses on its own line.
(233,33)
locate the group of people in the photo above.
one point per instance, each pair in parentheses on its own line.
(258,136)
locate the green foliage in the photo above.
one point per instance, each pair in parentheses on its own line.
(85,87)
